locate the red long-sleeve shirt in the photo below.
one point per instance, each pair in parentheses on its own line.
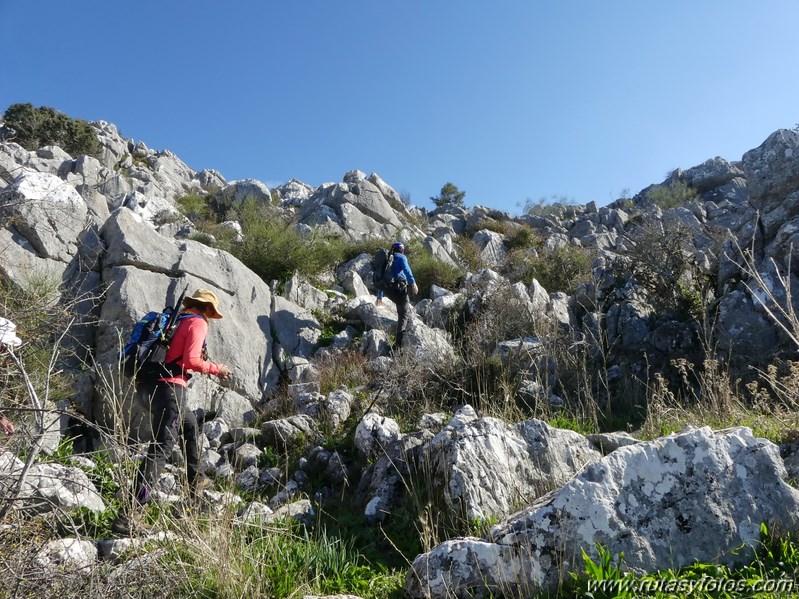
(187,348)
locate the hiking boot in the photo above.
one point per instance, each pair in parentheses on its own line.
(128,524)
(200,484)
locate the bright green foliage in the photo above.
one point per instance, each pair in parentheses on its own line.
(86,523)
(776,560)
(195,207)
(429,270)
(279,563)
(43,126)
(670,196)
(274,249)
(520,266)
(563,268)
(604,569)
(522,237)
(553,206)
(450,196)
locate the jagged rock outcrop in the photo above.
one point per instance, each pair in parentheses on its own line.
(72,554)
(355,209)
(485,468)
(88,223)
(48,487)
(698,496)
(295,328)
(141,265)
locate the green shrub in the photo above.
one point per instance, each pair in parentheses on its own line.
(502,227)
(40,318)
(468,253)
(773,570)
(520,266)
(671,196)
(195,207)
(522,237)
(204,238)
(517,236)
(274,249)
(563,268)
(553,206)
(429,270)
(43,126)
(660,261)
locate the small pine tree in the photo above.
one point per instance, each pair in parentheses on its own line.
(450,196)
(43,126)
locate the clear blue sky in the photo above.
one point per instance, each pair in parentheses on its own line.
(509,100)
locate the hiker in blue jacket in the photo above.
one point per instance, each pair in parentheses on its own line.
(397,290)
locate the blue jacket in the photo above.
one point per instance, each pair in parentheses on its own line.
(400,270)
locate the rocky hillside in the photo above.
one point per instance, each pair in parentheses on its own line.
(557,311)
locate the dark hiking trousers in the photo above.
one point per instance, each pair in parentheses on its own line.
(169,417)
(400,298)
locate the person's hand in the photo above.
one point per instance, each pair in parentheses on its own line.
(414,289)
(6,426)
(379,301)
(224,373)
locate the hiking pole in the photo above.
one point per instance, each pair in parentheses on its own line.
(173,318)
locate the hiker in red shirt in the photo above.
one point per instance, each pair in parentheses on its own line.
(168,413)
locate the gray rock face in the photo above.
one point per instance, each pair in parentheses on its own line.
(304,294)
(69,554)
(710,174)
(383,485)
(284,432)
(294,192)
(49,213)
(428,344)
(237,193)
(50,487)
(492,248)
(441,310)
(441,251)
(375,343)
(487,468)
(375,433)
(332,409)
(771,168)
(741,327)
(628,322)
(696,496)
(355,208)
(143,270)
(295,328)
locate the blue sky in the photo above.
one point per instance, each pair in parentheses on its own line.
(509,100)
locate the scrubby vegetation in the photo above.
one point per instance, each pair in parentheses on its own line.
(43,126)
(772,573)
(214,554)
(548,206)
(672,195)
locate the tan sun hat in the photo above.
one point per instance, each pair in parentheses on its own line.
(205,296)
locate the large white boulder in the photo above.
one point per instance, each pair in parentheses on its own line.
(696,496)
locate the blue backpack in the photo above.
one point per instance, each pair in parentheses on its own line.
(144,356)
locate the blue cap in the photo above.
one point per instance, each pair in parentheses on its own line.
(398,247)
